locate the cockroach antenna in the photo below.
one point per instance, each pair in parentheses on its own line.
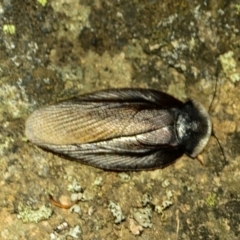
(209,110)
(215,86)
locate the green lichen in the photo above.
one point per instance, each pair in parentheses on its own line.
(166,203)
(5,144)
(42,2)
(75,187)
(74,232)
(143,216)
(9,29)
(116,212)
(77,17)
(237,6)
(229,66)
(27,214)
(14,100)
(211,200)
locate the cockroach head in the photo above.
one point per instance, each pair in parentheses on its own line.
(194,128)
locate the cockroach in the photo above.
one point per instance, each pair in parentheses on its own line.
(122,129)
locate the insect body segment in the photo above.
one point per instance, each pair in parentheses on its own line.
(122,129)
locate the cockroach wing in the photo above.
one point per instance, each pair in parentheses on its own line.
(121,161)
(114,129)
(150,97)
(100,116)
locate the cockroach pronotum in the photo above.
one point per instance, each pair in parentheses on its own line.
(122,129)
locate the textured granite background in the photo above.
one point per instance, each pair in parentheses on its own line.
(52,50)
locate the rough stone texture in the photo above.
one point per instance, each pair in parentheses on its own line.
(70,47)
